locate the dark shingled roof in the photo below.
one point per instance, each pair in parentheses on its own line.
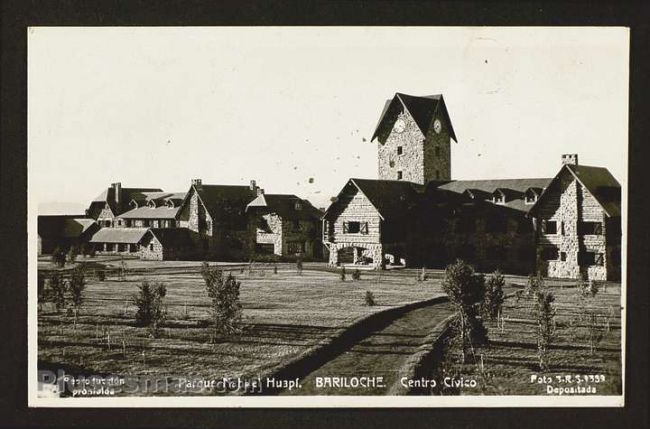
(514,189)
(126,195)
(173,237)
(225,203)
(599,182)
(421,108)
(284,205)
(119,235)
(602,185)
(65,226)
(392,198)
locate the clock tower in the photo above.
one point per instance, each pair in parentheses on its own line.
(414,139)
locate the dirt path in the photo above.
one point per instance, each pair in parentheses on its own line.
(380,354)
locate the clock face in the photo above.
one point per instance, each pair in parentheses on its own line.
(400,125)
(437,126)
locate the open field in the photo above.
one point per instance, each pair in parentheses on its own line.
(511,359)
(284,315)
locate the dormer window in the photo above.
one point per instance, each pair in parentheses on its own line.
(498,197)
(531,195)
(297,206)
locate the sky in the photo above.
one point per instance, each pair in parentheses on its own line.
(294,107)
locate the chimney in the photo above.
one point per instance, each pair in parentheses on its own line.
(260,191)
(570,159)
(253,186)
(117,190)
(197,183)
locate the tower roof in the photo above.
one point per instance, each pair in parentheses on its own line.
(421,108)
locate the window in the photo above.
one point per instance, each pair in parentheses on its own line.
(391,164)
(549,227)
(399,175)
(296,225)
(531,198)
(498,198)
(151,246)
(437,151)
(563,256)
(399,150)
(562,231)
(590,228)
(586,259)
(119,222)
(107,223)
(355,227)
(550,253)
(127,222)
(208,225)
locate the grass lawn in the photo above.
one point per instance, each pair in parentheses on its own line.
(284,315)
(511,359)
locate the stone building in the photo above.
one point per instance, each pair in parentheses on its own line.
(370,219)
(416,215)
(285,225)
(579,223)
(216,215)
(114,201)
(164,244)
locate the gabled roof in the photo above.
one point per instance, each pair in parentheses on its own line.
(421,108)
(119,235)
(172,237)
(284,205)
(161,212)
(599,182)
(392,198)
(224,203)
(64,226)
(126,196)
(513,189)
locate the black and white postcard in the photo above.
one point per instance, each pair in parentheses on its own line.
(327,216)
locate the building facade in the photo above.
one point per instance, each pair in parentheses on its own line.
(285,225)
(416,215)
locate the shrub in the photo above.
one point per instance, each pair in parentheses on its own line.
(494,296)
(226,308)
(299,265)
(370,299)
(73,252)
(534,285)
(356,274)
(545,314)
(149,302)
(76,287)
(466,291)
(422,275)
(57,290)
(342,274)
(588,289)
(121,270)
(58,257)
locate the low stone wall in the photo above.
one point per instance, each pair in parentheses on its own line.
(419,364)
(312,359)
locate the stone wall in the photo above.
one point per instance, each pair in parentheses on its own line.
(152,250)
(437,152)
(568,203)
(411,161)
(422,159)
